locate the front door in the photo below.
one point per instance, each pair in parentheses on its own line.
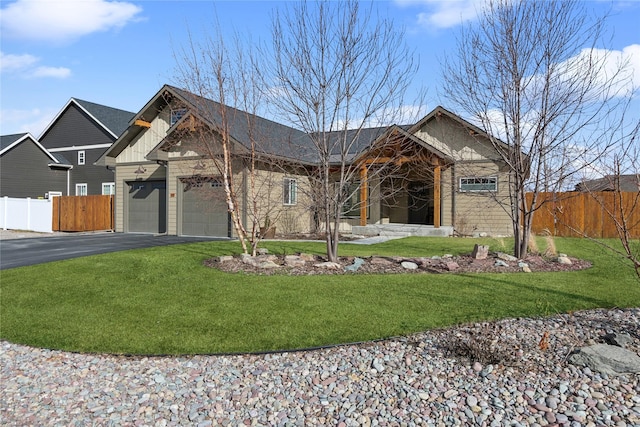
(420,203)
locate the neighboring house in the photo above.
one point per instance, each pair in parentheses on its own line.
(27,169)
(81,132)
(628,183)
(161,172)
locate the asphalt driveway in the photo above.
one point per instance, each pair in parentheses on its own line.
(21,252)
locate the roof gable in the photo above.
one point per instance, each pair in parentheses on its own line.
(8,142)
(113,120)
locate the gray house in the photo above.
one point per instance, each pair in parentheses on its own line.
(27,169)
(81,132)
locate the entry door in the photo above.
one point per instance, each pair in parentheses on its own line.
(420,203)
(147,207)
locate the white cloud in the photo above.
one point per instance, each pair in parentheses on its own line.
(64,20)
(16,62)
(444,14)
(56,72)
(25,66)
(19,121)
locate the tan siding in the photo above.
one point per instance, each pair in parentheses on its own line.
(454,140)
(482,212)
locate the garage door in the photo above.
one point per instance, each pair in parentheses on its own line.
(147,207)
(203,207)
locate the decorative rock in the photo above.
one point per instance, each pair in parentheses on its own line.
(480,251)
(621,340)
(408,265)
(328,265)
(506,257)
(564,260)
(357,263)
(267,265)
(262,251)
(307,257)
(607,359)
(225,258)
(452,265)
(500,263)
(294,261)
(450,393)
(526,269)
(248,259)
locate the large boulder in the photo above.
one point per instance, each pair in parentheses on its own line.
(608,359)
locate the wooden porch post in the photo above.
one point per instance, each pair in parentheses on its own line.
(363,195)
(436,196)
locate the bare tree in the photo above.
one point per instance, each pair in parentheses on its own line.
(532,76)
(620,201)
(222,84)
(339,69)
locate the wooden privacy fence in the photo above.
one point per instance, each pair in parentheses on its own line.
(578,214)
(83,213)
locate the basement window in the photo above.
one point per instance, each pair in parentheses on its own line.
(479,184)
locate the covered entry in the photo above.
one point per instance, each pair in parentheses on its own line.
(203,209)
(147,207)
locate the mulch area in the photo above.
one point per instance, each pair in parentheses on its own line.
(388,265)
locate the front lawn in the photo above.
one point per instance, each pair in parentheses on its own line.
(164,301)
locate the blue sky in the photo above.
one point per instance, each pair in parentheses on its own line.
(120,53)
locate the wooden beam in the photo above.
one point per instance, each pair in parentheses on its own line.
(364,184)
(142,123)
(436,196)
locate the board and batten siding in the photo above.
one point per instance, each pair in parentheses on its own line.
(145,141)
(24,172)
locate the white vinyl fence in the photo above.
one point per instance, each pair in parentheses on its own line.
(26,214)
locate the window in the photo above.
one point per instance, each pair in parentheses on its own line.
(289,191)
(108,188)
(351,206)
(81,189)
(177,115)
(479,184)
(81,157)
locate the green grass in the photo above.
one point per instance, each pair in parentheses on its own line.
(164,301)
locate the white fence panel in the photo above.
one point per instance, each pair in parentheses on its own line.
(26,214)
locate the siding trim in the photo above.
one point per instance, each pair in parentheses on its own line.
(79,147)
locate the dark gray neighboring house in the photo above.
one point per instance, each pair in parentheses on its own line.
(627,183)
(81,132)
(27,169)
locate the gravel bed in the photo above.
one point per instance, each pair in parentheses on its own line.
(416,380)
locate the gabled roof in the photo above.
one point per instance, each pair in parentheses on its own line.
(275,139)
(630,183)
(113,120)
(8,142)
(440,111)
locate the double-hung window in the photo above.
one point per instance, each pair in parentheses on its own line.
(108,188)
(81,189)
(289,191)
(479,184)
